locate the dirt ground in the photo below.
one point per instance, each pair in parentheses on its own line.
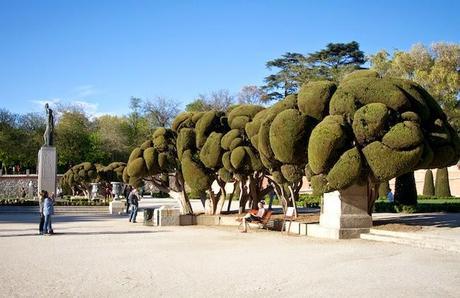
(104,256)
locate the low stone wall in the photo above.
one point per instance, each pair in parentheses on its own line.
(10,185)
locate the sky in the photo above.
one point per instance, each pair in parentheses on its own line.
(100,53)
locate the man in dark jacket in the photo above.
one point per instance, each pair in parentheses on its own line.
(133,199)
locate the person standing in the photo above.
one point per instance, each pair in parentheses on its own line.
(126,193)
(133,199)
(48,211)
(41,201)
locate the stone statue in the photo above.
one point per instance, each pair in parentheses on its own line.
(48,135)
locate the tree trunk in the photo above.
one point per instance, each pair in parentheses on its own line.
(372,195)
(243,197)
(235,186)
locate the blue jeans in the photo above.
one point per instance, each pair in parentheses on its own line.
(133,215)
(47,224)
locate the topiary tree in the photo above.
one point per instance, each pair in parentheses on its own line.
(442,188)
(241,158)
(428,185)
(156,161)
(378,129)
(78,178)
(200,154)
(112,172)
(281,134)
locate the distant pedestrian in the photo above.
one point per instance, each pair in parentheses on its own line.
(41,201)
(48,211)
(390,196)
(133,199)
(126,191)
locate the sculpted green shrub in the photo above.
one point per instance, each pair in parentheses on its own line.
(442,187)
(313,98)
(428,185)
(394,127)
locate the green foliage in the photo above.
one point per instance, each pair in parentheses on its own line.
(370,121)
(112,172)
(242,114)
(428,185)
(346,170)
(442,188)
(353,94)
(211,153)
(194,174)
(313,98)
(386,163)
(289,133)
(72,138)
(403,135)
(292,173)
(327,142)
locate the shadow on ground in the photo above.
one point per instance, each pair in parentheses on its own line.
(82,233)
(441,220)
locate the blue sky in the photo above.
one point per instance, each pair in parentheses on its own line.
(100,53)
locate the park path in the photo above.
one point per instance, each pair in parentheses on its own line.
(105,256)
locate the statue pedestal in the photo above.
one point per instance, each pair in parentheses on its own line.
(117,207)
(47,170)
(343,215)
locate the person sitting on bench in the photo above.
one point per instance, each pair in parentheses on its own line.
(250,217)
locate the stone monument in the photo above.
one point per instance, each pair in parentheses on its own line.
(344,214)
(47,159)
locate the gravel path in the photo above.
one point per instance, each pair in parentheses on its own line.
(104,256)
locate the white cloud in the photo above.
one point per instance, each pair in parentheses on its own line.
(84,91)
(87,107)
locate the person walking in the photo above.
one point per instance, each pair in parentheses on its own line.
(133,199)
(48,211)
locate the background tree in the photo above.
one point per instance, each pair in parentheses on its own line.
(251,94)
(136,127)
(335,61)
(161,110)
(291,70)
(331,63)
(73,138)
(198,105)
(428,185)
(442,187)
(113,138)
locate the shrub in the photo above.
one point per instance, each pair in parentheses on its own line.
(442,188)
(428,185)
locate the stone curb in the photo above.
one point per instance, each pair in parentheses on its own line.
(413,239)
